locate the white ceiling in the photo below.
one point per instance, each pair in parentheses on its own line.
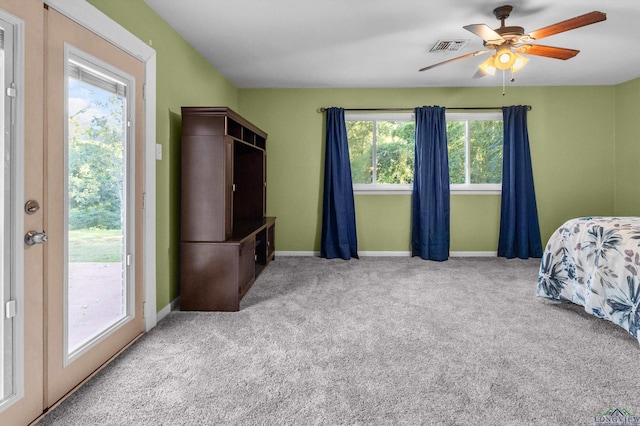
(383,43)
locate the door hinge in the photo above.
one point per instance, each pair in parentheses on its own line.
(128,260)
(128,123)
(144,199)
(11,90)
(233,188)
(10,309)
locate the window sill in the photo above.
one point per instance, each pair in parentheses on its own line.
(367,189)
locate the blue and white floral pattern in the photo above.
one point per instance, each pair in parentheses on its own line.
(595,262)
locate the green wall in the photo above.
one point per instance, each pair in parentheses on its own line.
(183,77)
(584,147)
(570,129)
(627,171)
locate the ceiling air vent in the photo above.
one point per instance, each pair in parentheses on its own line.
(448,45)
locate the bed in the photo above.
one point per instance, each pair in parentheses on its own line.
(595,262)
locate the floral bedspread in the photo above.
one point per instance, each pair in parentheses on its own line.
(595,262)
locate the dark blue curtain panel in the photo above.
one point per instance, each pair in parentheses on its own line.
(338,238)
(519,227)
(430,202)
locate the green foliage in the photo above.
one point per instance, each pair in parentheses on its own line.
(486,151)
(395,151)
(360,136)
(96,166)
(456,135)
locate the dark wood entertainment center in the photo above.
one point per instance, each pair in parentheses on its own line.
(226,240)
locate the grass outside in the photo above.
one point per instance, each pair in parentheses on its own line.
(95,245)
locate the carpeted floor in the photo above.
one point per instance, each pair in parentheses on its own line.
(372,341)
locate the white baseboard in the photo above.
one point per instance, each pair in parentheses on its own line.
(392,253)
(170,307)
(473,254)
(297,253)
(384,253)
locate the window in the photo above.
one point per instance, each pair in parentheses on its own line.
(382,147)
(475,151)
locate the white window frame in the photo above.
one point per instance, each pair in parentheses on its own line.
(400,189)
(115,81)
(380,188)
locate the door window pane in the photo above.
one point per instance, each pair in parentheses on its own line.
(96,204)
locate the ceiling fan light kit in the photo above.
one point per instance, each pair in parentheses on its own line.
(509,42)
(504,57)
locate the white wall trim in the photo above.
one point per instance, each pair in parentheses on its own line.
(473,254)
(94,20)
(384,253)
(173,306)
(391,253)
(297,253)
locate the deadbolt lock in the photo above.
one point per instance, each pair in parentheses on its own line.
(31,207)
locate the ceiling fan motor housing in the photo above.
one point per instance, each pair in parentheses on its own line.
(501,13)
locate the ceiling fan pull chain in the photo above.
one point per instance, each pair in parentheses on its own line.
(503,77)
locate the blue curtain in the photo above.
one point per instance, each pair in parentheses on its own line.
(430,197)
(519,228)
(338,212)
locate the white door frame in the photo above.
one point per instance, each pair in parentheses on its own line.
(94,20)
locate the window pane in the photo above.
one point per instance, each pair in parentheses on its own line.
(456,141)
(360,135)
(96,285)
(486,151)
(395,152)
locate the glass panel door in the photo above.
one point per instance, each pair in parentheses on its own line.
(94,154)
(97,293)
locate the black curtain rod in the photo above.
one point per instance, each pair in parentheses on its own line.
(323,109)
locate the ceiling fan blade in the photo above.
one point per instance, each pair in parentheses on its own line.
(569,24)
(479,74)
(547,51)
(468,55)
(484,31)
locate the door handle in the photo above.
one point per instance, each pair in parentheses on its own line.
(35,237)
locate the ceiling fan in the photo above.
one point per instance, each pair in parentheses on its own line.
(508,42)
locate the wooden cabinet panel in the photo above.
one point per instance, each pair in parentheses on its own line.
(207,174)
(209,277)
